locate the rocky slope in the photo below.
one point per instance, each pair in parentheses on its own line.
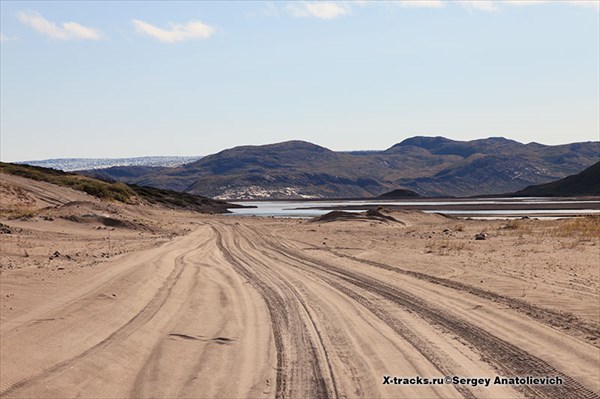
(582,184)
(427,165)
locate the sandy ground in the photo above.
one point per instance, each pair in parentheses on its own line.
(180,305)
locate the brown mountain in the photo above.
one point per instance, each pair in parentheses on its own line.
(427,165)
(582,184)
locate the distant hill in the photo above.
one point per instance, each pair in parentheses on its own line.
(73,164)
(582,184)
(399,194)
(125,193)
(429,166)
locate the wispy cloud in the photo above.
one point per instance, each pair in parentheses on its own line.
(322,9)
(269,9)
(333,9)
(494,5)
(581,3)
(480,5)
(4,38)
(525,2)
(595,4)
(67,31)
(175,32)
(420,3)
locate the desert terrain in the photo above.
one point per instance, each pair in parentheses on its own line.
(103,299)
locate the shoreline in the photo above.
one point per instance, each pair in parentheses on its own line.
(419,199)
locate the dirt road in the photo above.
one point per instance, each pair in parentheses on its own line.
(231,310)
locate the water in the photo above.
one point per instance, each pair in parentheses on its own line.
(298,209)
(285,208)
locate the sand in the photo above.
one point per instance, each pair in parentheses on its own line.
(175,304)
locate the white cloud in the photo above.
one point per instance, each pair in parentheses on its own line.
(595,4)
(421,3)
(525,2)
(479,5)
(333,9)
(67,31)
(581,3)
(4,38)
(322,9)
(270,9)
(176,32)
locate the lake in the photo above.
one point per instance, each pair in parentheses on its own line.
(492,207)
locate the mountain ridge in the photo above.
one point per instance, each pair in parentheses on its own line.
(429,166)
(584,183)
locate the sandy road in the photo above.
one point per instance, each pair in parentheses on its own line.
(232,311)
(171,321)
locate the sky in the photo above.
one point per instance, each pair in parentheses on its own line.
(124,79)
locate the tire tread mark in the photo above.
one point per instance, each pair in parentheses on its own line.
(381,314)
(153,359)
(280,323)
(564,321)
(137,321)
(499,353)
(294,291)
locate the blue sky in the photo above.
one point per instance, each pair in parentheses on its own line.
(112,79)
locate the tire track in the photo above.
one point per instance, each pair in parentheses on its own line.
(565,322)
(504,356)
(302,302)
(149,372)
(295,347)
(444,366)
(138,320)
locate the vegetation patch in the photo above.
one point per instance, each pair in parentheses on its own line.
(116,191)
(100,189)
(18,213)
(177,200)
(585,228)
(445,247)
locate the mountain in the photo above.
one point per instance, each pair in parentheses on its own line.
(582,184)
(429,166)
(73,164)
